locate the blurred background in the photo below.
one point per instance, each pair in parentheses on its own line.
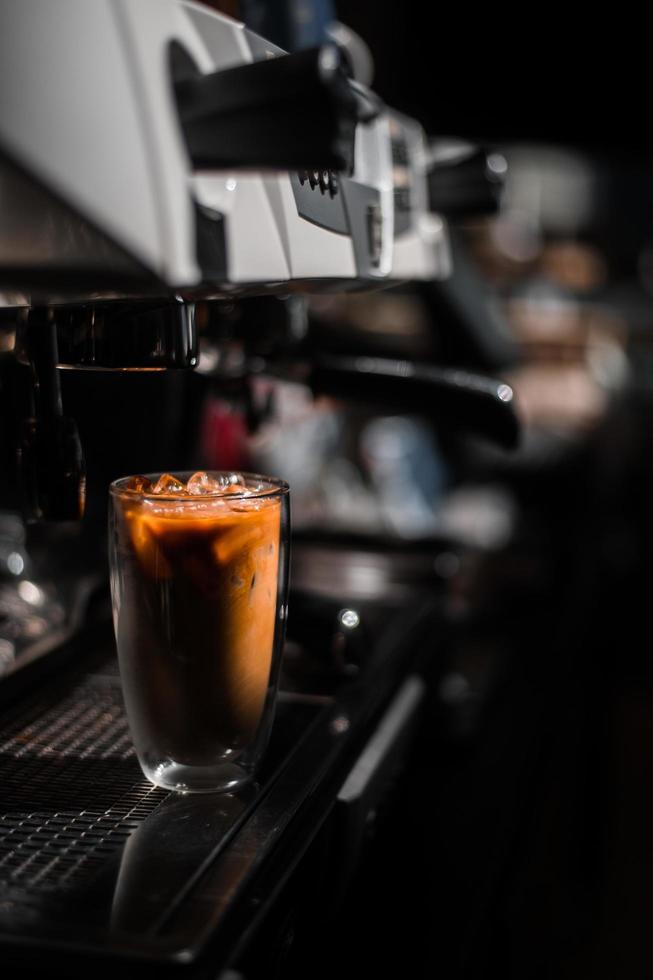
(524,838)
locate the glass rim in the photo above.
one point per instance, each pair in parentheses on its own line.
(275,487)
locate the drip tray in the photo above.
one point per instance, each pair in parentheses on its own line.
(93,858)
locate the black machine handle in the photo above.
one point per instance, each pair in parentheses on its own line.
(278,341)
(297,111)
(465,181)
(456,399)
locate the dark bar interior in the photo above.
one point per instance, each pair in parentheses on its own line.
(408,272)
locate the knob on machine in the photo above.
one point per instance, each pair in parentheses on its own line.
(296,111)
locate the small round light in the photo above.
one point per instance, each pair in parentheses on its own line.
(498,164)
(29,592)
(15,563)
(339,725)
(505,393)
(349,618)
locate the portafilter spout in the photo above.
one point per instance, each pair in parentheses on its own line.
(111,336)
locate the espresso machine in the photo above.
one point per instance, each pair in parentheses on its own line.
(169,178)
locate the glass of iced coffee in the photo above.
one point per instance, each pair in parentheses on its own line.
(199,575)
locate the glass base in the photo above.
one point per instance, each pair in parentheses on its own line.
(221,778)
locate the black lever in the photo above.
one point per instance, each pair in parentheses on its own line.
(464,180)
(456,399)
(277,341)
(297,111)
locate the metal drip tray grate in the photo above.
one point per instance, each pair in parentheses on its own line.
(94,860)
(72,791)
(88,724)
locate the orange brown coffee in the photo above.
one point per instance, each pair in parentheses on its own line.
(196,622)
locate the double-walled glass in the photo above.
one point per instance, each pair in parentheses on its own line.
(199,590)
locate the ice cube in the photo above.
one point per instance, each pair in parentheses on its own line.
(168,484)
(140,484)
(225,483)
(234,483)
(202,482)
